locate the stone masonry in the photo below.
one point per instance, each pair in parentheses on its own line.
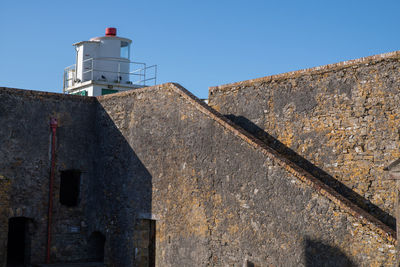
(25,167)
(215,193)
(342,118)
(221,196)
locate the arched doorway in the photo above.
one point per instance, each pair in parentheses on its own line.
(18,244)
(96,244)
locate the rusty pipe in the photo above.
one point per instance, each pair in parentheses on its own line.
(53,126)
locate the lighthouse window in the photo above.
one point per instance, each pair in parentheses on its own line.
(70,187)
(125,49)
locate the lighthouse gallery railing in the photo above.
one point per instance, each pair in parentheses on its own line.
(93,69)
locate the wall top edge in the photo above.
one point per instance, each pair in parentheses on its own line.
(312,71)
(43,94)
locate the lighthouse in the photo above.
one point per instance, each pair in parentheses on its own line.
(103,66)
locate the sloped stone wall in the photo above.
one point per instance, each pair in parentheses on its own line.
(342,118)
(219,196)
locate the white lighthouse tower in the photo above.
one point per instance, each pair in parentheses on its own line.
(103,67)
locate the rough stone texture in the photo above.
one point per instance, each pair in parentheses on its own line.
(219,196)
(340,121)
(25,168)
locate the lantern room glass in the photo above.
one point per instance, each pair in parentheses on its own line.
(125,50)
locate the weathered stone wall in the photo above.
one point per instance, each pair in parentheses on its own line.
(219,196)
(25,138)
(342,118)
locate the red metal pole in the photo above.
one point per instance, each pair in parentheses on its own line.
(53,126)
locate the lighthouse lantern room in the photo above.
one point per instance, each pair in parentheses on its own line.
(103,66)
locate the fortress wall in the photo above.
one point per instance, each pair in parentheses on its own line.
(344,118)
(25,168)
(219,196)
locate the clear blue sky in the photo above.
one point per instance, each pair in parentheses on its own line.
(195,43)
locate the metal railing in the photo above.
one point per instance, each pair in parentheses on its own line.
(110,71)
(69,77)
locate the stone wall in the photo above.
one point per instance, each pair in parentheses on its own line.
(25,138)
(219,196)
(340,122)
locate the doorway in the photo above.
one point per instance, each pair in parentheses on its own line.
(145,254)
(18,246)
(96,244)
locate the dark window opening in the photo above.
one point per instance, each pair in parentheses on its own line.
(70,188)
(96,244)
(18,246)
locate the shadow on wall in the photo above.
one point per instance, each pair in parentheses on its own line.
(121,195)
(314,170)
(319,254)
